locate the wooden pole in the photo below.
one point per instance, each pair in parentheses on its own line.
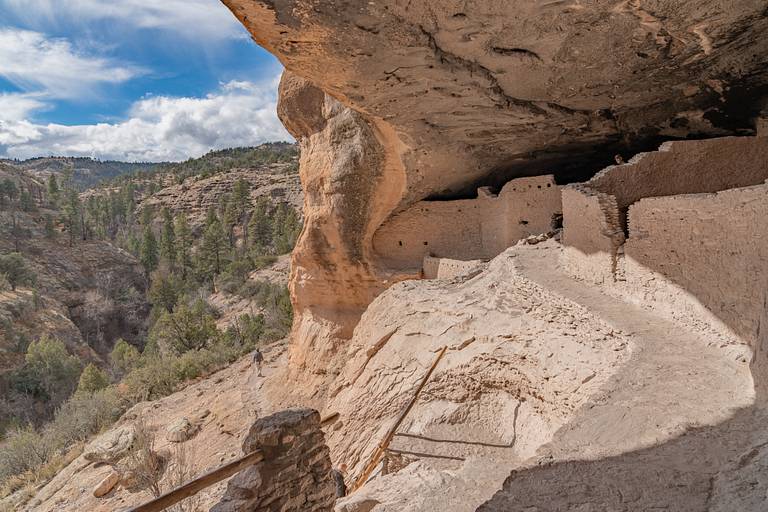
(384,444)
(190,489)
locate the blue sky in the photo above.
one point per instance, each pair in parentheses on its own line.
(131,80)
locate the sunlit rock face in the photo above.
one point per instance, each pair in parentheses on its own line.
(400,101)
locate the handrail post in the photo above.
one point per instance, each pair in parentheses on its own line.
(384,444)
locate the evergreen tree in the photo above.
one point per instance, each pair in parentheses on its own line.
(72,215)
(14,267)
(8,190)
(50,229)
(241,196)
(230,219)
(92,379)
(260,227)
(168,238)
(212,247)
(286,229)
(26,202)
(183,245)
(149,254)
(124,357)
(48,371)
(187,328)
(165,291)
(53,190)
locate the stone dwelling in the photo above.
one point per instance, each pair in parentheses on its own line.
(469,229)
(679,226)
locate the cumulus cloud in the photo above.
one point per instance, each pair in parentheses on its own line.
(196,19)
(19,106)
(159,128)
(31,61)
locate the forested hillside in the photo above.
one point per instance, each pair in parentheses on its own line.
(143,333)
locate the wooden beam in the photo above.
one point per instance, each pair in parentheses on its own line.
(191,488)
(384,444)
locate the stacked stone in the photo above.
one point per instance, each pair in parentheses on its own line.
(295,474)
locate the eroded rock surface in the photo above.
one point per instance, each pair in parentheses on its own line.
(401,101)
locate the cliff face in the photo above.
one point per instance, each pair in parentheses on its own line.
(402,101)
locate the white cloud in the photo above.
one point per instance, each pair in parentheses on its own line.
(208,19)
(159,128)
(31,61)
(19,106)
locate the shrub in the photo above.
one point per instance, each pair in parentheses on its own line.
(16,271)
(84,415)
(91,380)
(124,357)
(24,449)
(49,372)
(187,328)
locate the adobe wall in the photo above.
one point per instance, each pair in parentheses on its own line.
(595,212)
(468,229)
(592,234)
(446,268)
(686,167)
(703,253)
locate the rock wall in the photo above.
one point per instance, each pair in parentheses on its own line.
(595,212)
(445,268)
(352,179)
(402,101)
(467,229)
(295,474)
(703,256)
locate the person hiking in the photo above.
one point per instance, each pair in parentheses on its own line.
(258,358)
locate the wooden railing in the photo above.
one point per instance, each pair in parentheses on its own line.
(384,444)
(198,484)
(217,475)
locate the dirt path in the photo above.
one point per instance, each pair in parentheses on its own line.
(667,433)
(675,380)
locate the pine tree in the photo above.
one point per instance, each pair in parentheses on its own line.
(183,245)
(14,267)
(26,202)
(212,247)
(53,190)
(230,219)
(241,196)
(50,229)
(259,227)
(149,255)
(92,380)
(72,214)
(168,238)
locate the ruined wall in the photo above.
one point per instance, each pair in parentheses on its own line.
(686,167)
(707,250)
(592,234)
(464,229)
(595,212)
(295,474)
(445,268)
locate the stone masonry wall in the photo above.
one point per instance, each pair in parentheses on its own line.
(707,250)
(444,268)
(467,229)
(595,212)
(295,475)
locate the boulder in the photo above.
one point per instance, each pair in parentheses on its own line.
(111,446)
(181,430)
(107,484)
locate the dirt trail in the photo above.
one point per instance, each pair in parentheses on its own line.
(675,379)
(675,385)
(668,432)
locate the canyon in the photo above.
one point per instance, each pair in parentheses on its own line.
(604,325)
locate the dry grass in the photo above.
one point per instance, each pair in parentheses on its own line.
(27,482)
